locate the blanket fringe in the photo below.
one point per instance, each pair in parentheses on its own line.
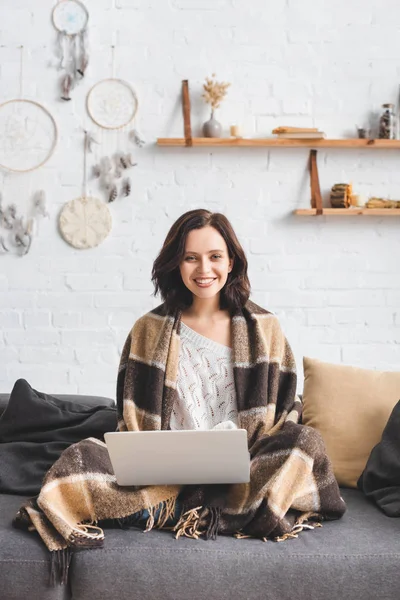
(188,523)
(86,535)
(167,511)
(213,526)
(60,562)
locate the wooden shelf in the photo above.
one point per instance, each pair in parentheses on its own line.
(278,142)
(349,212)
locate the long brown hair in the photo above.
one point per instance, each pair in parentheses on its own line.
(166,275)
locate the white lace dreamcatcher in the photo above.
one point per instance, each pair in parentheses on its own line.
(28,132)
(70,18)
(112,104)
(85,222)
(28,137)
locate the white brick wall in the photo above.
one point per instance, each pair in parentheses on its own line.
(334,283)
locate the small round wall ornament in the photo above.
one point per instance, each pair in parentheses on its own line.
(85,222)
(70,17)
(112,103)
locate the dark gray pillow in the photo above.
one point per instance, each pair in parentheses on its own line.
(35,428)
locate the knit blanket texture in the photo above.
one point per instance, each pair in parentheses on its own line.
(291,478)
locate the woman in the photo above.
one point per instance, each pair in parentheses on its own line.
(206,357)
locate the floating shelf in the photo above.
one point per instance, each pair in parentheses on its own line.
(279,142)
(349,212)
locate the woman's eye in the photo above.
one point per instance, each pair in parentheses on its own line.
(216,256)
(190,258)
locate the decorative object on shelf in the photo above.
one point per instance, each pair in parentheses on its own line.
(341,195)
(362,132)
(28,132)
(387,123)
(235,131)
(357,200)
(375,202)
(70,18)
(299,133)
(214,93)
(19,232)
(85,221)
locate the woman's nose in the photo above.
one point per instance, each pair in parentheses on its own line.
(203,266)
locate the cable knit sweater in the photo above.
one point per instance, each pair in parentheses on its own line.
(206,389)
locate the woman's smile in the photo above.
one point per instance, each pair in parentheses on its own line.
(204,281)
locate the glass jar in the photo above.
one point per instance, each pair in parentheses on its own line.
(387,123)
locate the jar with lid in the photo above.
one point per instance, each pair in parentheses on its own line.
(387,123)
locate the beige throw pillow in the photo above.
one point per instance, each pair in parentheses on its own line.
(350,407)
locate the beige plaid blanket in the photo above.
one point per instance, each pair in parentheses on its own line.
(292,483)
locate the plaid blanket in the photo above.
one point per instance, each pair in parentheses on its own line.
(291,479)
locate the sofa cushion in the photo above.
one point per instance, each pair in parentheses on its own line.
(36,428)
(380,480)
(356,557)
(350,407)
(24,560)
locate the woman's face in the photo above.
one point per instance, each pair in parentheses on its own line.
(206,263)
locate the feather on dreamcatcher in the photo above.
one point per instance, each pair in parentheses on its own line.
(70,18)
(18,232)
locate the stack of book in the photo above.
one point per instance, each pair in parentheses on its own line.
(299,133)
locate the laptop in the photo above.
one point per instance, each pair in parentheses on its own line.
(179,457)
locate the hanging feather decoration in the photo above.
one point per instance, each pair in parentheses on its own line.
(84,56)
(3,247)
(90,140)
(8,217)
(124,162)
(66,86)
(135,138)
(21,237)
(96,171)
(113,193)
(106,164)
(118,171)
(39,204)
(126,187)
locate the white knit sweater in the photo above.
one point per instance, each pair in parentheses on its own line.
(206,389)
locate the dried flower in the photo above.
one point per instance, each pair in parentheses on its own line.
(214,91)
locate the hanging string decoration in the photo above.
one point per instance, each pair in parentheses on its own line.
(85,221)
(70,18)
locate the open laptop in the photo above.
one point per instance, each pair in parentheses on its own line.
(179,457)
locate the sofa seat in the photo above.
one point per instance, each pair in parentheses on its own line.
(357,557)
(24,560)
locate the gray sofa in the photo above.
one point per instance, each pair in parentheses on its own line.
(357,558)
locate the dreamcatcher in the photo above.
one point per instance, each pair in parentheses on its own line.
(85,221)
(28,137)
(112,105)
(70,18)
(28,132)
